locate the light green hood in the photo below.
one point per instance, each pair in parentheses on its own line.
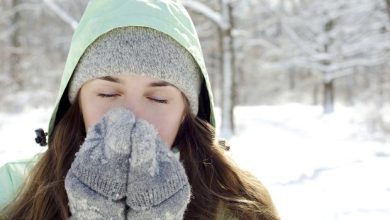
(102,16)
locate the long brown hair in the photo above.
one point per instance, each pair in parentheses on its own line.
(43,195)
(217,183)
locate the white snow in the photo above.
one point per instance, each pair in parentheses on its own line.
(17,133)
(315,166)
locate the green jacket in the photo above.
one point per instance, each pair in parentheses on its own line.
(12,175)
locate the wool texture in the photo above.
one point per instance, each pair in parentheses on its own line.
(124,170)
(139,51)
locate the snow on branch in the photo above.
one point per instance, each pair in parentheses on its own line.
(61,13)
(206,11)
(336,69)
(334,39)
(296,40)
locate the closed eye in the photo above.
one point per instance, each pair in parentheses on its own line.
(163,101)
(103,95)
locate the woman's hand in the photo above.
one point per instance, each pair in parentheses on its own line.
(124,170)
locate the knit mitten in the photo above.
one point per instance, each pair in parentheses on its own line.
(157,186)
(96,182)
(99,179)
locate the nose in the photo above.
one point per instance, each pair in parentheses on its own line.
(133,104)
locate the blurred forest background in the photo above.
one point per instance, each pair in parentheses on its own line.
(258,52)
(308,83)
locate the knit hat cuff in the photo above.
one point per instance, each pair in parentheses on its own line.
(139,51)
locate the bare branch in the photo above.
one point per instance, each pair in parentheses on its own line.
(296,40)
(61,13)
(336,69)
(207,12)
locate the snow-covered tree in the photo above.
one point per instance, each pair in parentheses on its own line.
(34,40)
(332,38)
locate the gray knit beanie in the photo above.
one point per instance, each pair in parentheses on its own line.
(142,51)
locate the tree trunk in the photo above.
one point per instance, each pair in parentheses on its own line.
(351,85)
(388,7)
(328,79)
(235,76)
(315,93)
(291,78)
(227,129)
(379,87)
(328,97)
(14,52)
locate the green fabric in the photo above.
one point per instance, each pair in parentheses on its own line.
(101,16)
(12,176)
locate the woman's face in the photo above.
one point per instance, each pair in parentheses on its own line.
(155,101)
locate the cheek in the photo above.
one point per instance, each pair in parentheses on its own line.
(168,131)
(167,126)
(91,114)
(92,110)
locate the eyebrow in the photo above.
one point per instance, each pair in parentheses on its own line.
(111,79)
(160,84)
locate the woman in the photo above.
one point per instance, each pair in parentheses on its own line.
(132,134)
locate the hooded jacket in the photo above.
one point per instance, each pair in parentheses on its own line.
(101,16)
(167,16)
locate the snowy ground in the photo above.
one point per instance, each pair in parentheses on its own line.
(316,167)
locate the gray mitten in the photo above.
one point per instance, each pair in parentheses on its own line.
(96,182)
(107,165)
(157,186)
